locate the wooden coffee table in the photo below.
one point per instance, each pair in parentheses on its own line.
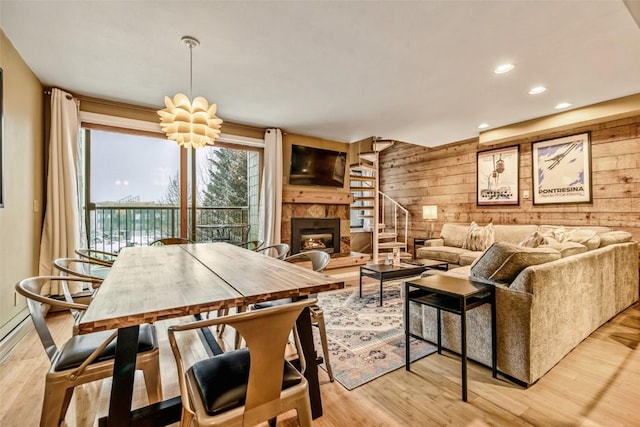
(384,272)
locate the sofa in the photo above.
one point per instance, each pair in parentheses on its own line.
(550,295)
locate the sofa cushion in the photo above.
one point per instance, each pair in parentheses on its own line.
(478,238)
(454,234)
(534,240)
(467,258)
(613,237)
(584,236)
(513,233)
(503,261)
(566,248)
(441,253)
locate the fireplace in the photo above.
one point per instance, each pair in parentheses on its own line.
(322,234)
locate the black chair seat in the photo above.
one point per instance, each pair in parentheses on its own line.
(274,303)
(222,380)
(79,347)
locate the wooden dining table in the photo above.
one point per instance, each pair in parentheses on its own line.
(147,284)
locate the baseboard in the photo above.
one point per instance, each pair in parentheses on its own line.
(8,343)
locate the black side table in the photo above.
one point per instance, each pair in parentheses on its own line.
(457,296)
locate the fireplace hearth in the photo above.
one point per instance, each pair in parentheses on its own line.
(322,234)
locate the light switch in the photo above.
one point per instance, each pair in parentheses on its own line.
(525,194)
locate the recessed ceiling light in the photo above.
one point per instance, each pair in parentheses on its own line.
(536,90)
(483,125)
(562,105)
(504,68)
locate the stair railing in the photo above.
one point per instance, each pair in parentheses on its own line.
(384,198)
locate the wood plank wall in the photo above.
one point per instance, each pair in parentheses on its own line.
(446,176)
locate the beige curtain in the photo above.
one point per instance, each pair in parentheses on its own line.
(270,212)
(61,230)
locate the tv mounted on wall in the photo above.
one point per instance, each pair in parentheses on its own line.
(317,166)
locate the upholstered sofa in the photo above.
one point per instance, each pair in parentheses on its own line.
(547,299)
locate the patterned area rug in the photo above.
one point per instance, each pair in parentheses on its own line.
(366,341)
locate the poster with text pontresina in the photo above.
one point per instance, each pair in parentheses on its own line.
(562,170)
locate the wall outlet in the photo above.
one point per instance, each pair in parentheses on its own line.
(525,194)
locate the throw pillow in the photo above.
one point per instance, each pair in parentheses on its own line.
(534,240)
(478,238)
(503,261)
(613,237)
(557,234)
(566,248)
(586,237)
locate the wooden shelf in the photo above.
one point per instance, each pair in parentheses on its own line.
(290,195)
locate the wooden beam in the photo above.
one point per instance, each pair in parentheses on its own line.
(316,196)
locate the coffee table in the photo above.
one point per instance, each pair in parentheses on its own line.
(384,272)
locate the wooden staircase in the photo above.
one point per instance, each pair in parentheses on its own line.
(384,217)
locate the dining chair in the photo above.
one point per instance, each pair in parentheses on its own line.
(82,358)
(252,245)
(170,241)
(98,256)
(319,261)
(279,250)
(247,386)
(80,267)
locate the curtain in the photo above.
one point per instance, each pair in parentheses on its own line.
(270,212)
(61,229)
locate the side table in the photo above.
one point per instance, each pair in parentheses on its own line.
(457,296)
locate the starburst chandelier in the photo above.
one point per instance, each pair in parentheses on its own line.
(190,124)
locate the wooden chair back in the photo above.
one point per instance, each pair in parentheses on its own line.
(170,241)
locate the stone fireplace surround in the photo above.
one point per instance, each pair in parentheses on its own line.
(317,204)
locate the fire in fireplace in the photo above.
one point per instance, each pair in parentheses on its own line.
(322,234)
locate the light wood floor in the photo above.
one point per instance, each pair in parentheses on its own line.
(597,384)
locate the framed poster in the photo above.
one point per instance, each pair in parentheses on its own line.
(498,175)
(562,170)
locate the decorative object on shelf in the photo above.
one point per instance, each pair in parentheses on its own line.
(562,170)
(430,213)
(498,176)
(190,124)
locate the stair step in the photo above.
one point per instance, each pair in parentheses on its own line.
(362,208)
(382,145)
(369,156)
(387,235)
(362,178)
(363,167)
(391,245)
(364,216)
(364,198)
(363,189)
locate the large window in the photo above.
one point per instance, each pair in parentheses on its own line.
(134,193)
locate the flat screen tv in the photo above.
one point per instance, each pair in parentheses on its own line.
(317,166)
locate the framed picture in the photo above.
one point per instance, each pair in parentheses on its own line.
(498,175)
(562,170)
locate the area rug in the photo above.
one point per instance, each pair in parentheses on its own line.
(366,341)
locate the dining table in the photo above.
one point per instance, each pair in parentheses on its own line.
(151,283)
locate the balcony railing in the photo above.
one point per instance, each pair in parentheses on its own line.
(111,227)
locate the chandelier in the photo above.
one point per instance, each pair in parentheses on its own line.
(190,124)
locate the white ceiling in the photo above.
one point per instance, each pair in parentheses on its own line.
(414,71)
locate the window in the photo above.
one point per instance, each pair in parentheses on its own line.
(133,192)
